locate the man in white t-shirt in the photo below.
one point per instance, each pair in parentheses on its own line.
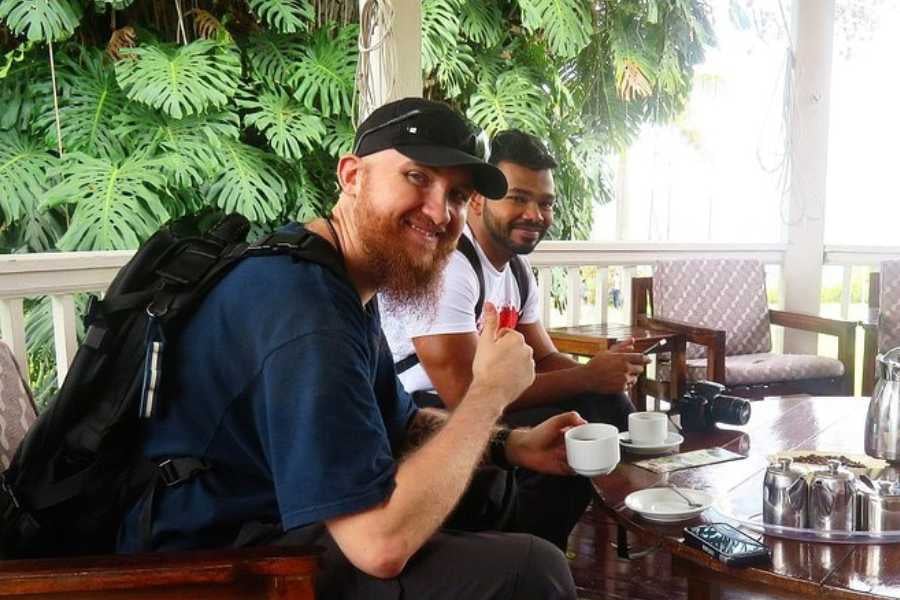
(434,352)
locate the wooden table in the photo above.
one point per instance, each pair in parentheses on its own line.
(800,569)
(588,340)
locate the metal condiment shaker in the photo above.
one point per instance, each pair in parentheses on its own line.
(832,499)
(784,495)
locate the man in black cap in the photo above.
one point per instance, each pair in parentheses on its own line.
(282,382)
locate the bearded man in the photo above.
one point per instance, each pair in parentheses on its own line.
(282,383)
(434,353)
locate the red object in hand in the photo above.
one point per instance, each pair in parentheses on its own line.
(509,317)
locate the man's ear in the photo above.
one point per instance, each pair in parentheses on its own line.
(476,204)
(349,168)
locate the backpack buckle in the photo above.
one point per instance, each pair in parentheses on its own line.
(175,471)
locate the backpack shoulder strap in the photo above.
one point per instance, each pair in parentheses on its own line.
(301,244)
(467,248)
(520,272)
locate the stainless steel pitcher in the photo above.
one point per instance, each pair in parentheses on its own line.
(879,506)
(883,419)
(832,499)
(784,495)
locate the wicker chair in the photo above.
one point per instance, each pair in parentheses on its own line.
(721,307)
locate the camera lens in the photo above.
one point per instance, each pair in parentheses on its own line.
(730,410)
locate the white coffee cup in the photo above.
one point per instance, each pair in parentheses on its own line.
(592,449)
(647,428)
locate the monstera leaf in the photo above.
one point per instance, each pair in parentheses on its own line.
(193,143)
(285,16)
(273,58)
(180,80)
(338,137)
(440,31)
(512,101)
(87,108)
(326,78)
(102,5)
(23,174)
(117,203)
(565,23)
(481,21)
(289,127)
(249,183)
(40,20)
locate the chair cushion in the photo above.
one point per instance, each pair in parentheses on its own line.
(17,411)
(763,368)
(889,315)
(727,294)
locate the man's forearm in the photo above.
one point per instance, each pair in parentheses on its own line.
(553,385)
(432,478)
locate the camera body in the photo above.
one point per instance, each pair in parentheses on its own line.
(704,404)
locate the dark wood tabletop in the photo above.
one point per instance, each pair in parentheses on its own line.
(805,569)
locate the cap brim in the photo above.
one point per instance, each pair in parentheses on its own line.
(487,179)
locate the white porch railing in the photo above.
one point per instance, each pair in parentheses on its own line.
(61,275)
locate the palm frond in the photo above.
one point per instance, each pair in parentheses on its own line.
(90,103)
(248,184)
(512,101)
(567,24)
(23,174)
(117,204)
(20,98)
(181,80)
(481,21)
(306,199)
(326,78)
(289,127)
(285,16)
(273,58)
(40,20)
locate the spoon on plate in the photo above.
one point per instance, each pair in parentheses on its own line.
(690,502)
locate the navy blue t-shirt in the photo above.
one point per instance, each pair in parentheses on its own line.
(283,381)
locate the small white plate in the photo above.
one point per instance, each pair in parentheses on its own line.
(673,440)
(664,505)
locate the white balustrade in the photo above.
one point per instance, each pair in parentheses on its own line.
(61,275)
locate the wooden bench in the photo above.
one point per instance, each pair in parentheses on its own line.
(263,573)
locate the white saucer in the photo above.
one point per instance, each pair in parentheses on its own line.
(673,440)
(664,505)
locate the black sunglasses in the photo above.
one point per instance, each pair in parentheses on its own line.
(474,143)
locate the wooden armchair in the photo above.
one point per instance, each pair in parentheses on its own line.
(882,328)
(252,573)
(721,308)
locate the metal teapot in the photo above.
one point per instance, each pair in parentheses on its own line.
(879,505)
(832,499)
(883,418)
(784,495)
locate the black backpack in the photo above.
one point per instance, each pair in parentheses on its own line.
(467,248)
(80,467)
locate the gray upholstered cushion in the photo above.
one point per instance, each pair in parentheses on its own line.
(726,294)
(752,369)
(889,315)
(16,407)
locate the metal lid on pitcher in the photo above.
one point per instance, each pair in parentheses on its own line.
(888,364)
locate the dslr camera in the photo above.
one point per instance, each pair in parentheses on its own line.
(703,405)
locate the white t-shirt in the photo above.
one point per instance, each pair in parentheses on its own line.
(456,309)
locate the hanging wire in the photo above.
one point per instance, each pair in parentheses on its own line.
(55,98)
(376,16)
(181,31)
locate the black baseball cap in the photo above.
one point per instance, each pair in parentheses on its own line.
(433,134)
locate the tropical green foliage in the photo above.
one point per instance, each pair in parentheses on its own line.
(168,109)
